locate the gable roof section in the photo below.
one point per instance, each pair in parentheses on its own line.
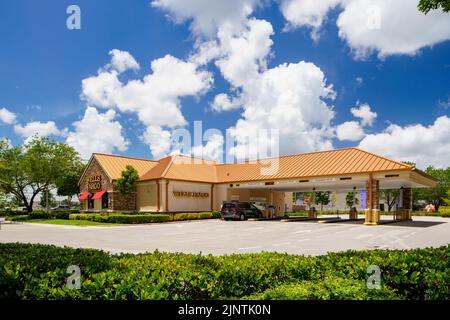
(314,164)
(306,165)
(180,167)
(114,165)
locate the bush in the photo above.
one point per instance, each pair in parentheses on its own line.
(39,272)
(18,218)
(121,218)
(30,271)
(328,289)
(444,211)
(195,216)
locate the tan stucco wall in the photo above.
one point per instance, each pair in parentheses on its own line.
(146,199)
(178,204)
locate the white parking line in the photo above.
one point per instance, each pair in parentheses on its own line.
(301,231)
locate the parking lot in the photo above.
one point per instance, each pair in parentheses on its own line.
(225,237)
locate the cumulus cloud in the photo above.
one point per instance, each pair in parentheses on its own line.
(212,150)
(382,26)
(122,61)
(38,129)
(159,141)
(309,13)
(207,16)
(350,131)
(155,99)
(424,145)
(87,139)
(288,98)
(7,116)
(366,115)
(222,102)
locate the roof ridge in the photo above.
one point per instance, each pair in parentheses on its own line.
(120,156)
(293,155)
(385,158)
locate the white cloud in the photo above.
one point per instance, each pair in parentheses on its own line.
(155,99)
(367,116)
(309,13)
(383,26)
(99,90)
(288,98)
(207,16)
(97,132)
(350,131)
(122,61)
(38,129)
(424,145)
(222,102)
(7,116)
(212,150)
(159,141)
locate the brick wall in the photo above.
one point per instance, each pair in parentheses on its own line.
(375,194)
(117,200)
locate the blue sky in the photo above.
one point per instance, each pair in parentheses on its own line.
(43,65)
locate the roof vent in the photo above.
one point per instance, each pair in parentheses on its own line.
(391,175)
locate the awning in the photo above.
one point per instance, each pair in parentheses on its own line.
(85,195)
(98,195)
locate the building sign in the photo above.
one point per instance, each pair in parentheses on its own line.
(191,194)
(95,182)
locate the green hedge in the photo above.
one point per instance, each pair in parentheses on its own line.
(121,218)
(195,216)
(43,214)
(444,211)
(327,289)
(39,272)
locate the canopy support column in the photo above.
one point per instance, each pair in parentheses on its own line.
(372,212)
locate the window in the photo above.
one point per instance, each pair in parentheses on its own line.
(105,201)
(244,205)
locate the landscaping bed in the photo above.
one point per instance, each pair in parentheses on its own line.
(113,217)
(39,272)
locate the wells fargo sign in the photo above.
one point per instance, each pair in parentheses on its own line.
(191,194)
(95,182)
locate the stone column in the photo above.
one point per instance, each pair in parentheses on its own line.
(406,200)
(372,201)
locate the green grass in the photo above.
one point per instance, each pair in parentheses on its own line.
(81,223)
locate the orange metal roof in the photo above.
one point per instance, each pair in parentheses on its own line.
(180,167)
(114,165)
(314,164)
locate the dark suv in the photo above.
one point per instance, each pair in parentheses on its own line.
(239,210)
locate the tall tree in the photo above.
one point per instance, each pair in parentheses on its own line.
(28,169)
(351,200)
(322,198)
(434,195)
(426,5)
(67,184)
(128,178)
(390,196)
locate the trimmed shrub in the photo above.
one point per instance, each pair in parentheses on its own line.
(18,218)
(444,211)
(327,289)
(194,215)
(121,218)
(39,272)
